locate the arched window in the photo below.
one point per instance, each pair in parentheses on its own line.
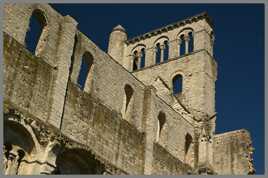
(188,146)
(160,124)
(128,92)
(191,42)
(142,58)
(135,60)
(188,141)
(85,69)
(177,84)
(78,161)
(19,145)
(182,45)
(127,102)
(37,32)
(166,49)
(158,53)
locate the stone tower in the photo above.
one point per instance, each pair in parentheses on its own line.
(117,44)
(186,49)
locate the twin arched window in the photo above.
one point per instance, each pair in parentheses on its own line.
(37,33)
(138,59)
(161,51)
(186,43)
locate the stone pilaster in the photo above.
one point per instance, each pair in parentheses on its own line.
(148,118)
(64,53)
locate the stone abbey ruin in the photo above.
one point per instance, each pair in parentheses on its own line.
(147,107)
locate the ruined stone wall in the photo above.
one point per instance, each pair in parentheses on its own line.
(28,80)
(232,153)
(108,80)
(173,134)
(43,87)
(166,164)
(91,123)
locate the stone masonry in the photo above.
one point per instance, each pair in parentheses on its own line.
(128,119)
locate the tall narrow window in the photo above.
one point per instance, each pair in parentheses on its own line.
(191,42)
(127,102)
(187,147)
(86,65)
(158,53)
(188,141)
(135,60)
(35,36)
(128,92)
(142,58)
(166,49)
(182,45)
(160,124)
(177,84)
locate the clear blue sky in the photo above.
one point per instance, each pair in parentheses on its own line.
(239,51)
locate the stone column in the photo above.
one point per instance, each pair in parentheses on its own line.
(64,53)
(12,162)
(187,39)
(162,48)
(179,47)
(139,59)
(49,158)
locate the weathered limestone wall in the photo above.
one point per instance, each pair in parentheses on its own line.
(54,46)
(89,122)
(199,75)
(108,80)
(174,130)
(232,153)
(28,80)
(166,164)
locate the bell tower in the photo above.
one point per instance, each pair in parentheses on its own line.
(184,48)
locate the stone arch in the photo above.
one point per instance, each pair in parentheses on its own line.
(161,40)
(36,39)
(20,146)
(78,161)
(138,47)
(184,31)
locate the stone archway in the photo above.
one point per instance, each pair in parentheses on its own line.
(78,161)
(19,147)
